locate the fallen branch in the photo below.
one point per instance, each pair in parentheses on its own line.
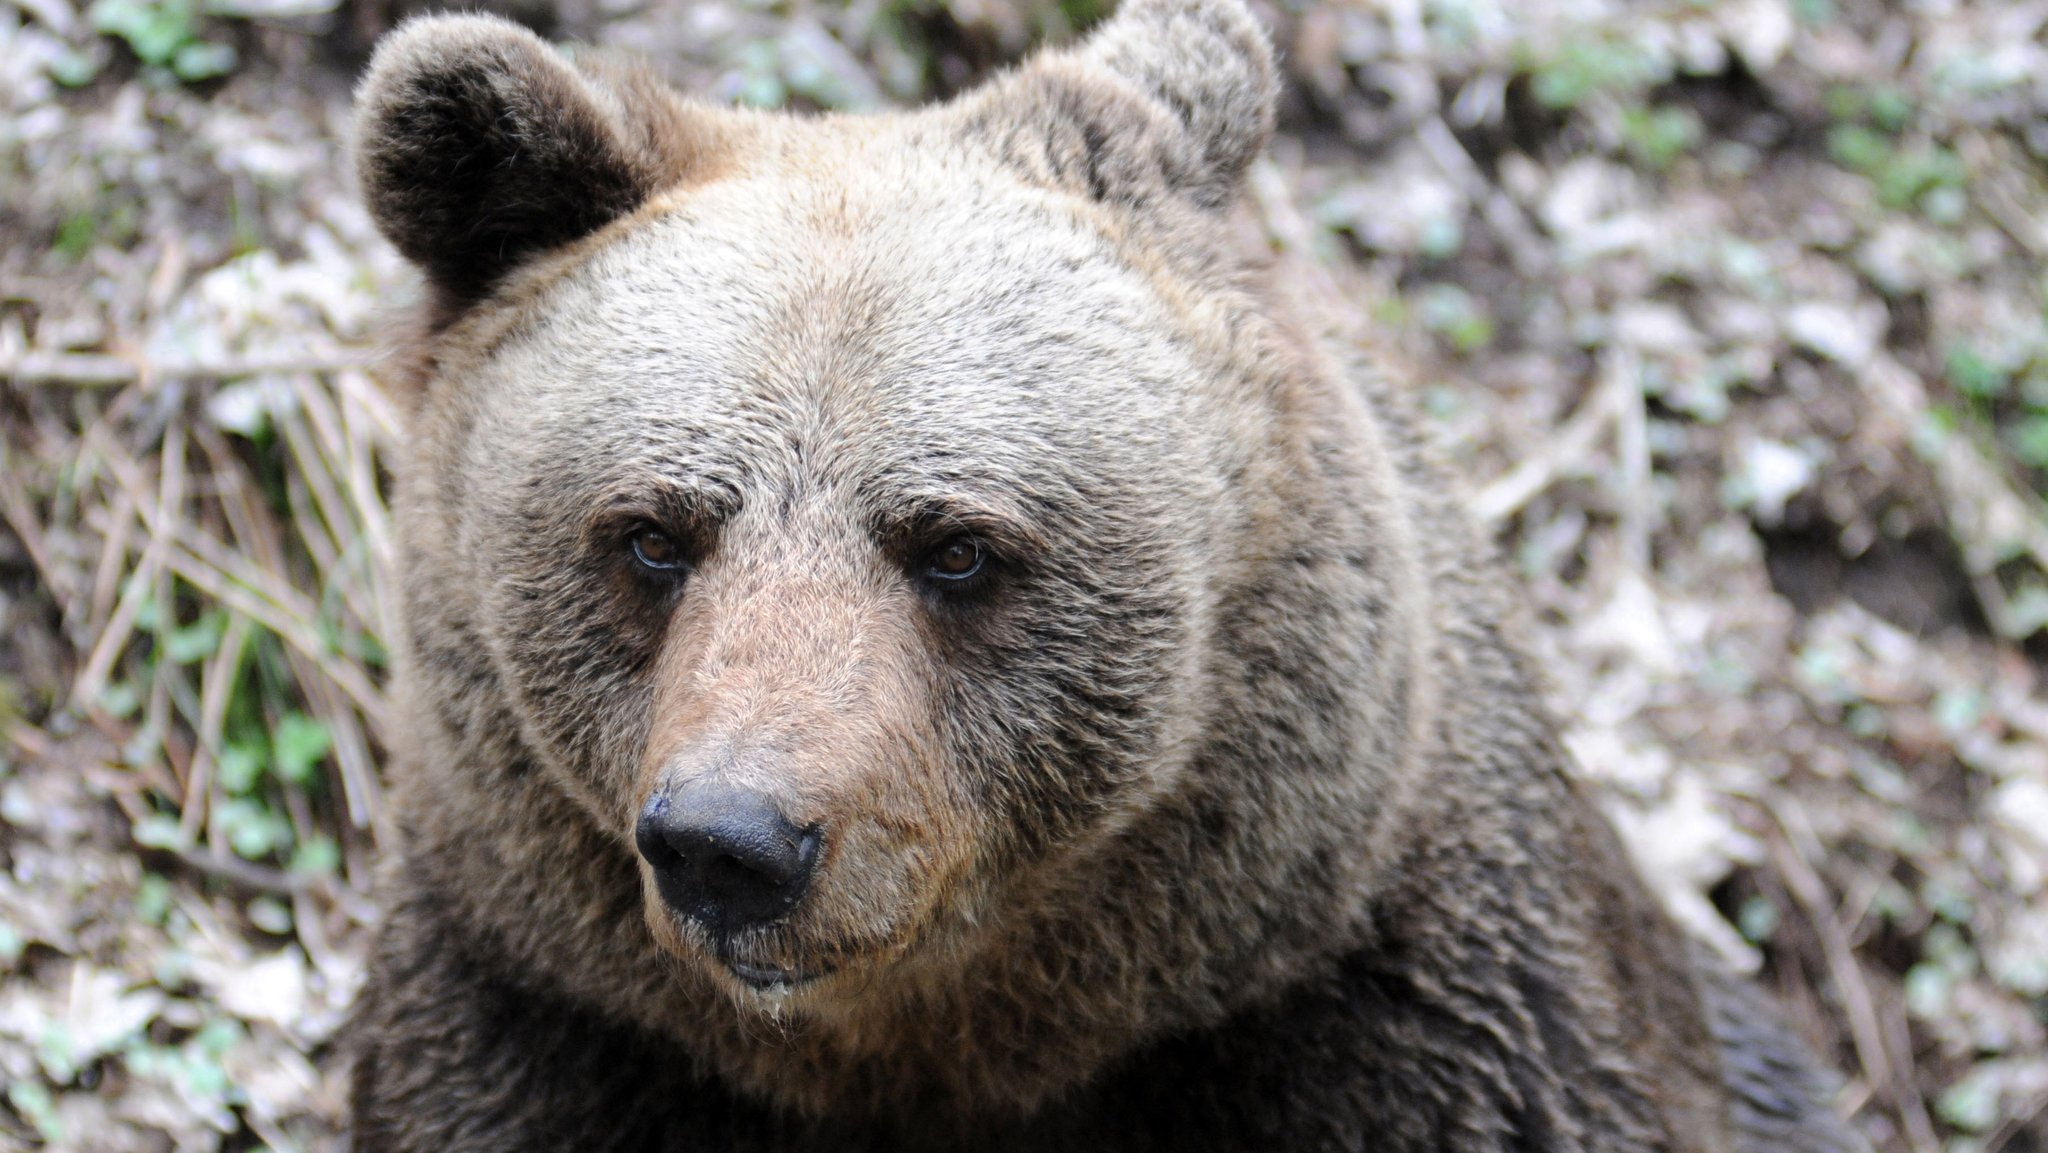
(102,370)
(235,871)
(1570,450)
(1881,1067)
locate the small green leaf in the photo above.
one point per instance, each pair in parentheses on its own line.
(240,768)
(1442,237)
(158,831)
(154,32)
(1659,136)
(1814,12)
(152,899)
(1858,148)
(37,1107)
(1945,205)
(1890,109)
(317,856)
(1757,920)
(57,1052)
(120,700)
(2027,609)
(74,69)
(1845,101)
(218,1036)
(1927,989)
(203,60)
(1974,375)
(1903,177)
(270,915)
(77,235)
(173,969)
(251,829)
(2029,440)
(1587,67)
(186,644)
(301,742)
(1456,315)
(1972,1103)
(761,79)
(1864,720)
(1932,431)
(1952,904)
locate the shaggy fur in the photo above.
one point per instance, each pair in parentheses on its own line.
(1216,812)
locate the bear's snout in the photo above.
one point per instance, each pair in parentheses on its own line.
(725,856)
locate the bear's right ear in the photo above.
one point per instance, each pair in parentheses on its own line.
(1168,96)
(479,147)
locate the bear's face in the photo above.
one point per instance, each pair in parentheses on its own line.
(839,502)
(847,496)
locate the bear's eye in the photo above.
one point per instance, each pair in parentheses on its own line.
(957,558)
(656,550)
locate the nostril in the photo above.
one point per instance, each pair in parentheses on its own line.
(726,856)
(649,838)
(731,872)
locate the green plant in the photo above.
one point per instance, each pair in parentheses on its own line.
(267,756)
(1883,107)
(166,35)
(1658,136)
(77,235)
(1928,174)
(1457,316)
(2003,393)
(1584,68)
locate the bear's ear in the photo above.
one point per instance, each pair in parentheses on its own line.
(479,146)
(1172,95)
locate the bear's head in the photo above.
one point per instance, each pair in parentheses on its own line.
(885,527)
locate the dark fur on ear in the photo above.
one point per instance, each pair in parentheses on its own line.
(479,146)
(1173,96)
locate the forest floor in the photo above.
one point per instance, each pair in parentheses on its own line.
(1731,314)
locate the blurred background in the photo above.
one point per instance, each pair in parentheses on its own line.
(1731,315)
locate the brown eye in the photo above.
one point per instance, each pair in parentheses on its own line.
(956,559)
(657,550)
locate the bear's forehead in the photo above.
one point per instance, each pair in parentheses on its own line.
(860,322)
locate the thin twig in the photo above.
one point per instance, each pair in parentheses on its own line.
(217,688)
(1525,246)
(2017,1123)
(1811,892)
(1987,515)
(1570,448)
(239,872)
(101,370)
(1991,176)
(115,540)
(20,514)
(1637,493)
(1866,1027)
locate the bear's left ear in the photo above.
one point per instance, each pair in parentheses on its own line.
(480,147)
(1173,96)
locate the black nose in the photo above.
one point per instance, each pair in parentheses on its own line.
(725,856)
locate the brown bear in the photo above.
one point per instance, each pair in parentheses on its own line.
(913,644)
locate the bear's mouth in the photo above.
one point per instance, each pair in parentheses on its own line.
(770,978)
